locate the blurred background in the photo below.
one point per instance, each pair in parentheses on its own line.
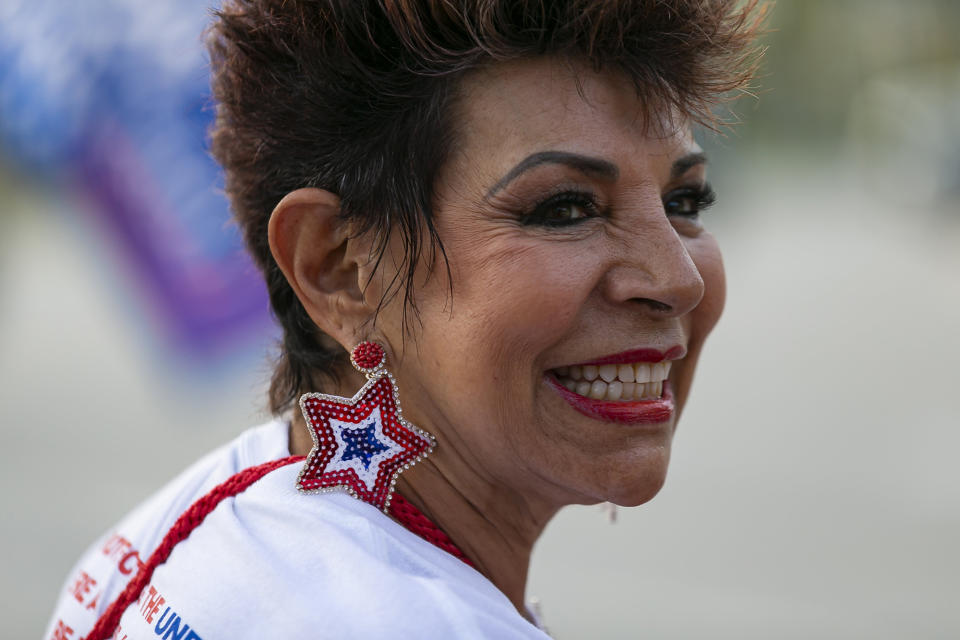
(814,491)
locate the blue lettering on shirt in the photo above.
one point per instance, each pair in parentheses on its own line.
(169,627)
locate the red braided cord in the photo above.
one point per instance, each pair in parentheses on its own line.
(182,528)
(405,513)
(414,520)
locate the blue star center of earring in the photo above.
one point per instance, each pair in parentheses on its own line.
(362,444)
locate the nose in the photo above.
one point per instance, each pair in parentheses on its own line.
(652,267)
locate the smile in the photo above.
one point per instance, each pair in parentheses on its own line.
(630,387)
(616,382)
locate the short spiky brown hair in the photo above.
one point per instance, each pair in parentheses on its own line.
(354,96)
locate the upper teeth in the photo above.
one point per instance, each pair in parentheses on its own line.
(624,382)
(638,372)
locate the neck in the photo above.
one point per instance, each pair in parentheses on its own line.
(495,527)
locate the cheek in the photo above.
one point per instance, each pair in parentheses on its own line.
(706,255)
(700,322)
(508,308)
(523,299)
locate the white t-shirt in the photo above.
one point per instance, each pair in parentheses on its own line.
(274,563)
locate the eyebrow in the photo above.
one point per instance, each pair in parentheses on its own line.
(687,162)
(584,164)
(588,165)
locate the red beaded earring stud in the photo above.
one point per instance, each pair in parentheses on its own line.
(361,444)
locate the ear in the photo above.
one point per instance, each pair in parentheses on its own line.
(313,250)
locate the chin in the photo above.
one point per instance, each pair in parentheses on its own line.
(634,496)
(637,482)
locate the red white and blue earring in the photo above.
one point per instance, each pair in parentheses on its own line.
(361,444)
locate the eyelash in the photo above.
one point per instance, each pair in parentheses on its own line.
(541,213)
(700,197)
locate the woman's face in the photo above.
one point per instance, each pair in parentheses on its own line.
(577,262)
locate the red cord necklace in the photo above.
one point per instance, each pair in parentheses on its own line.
(414,520)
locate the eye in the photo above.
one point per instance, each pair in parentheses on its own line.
(688,202)
(563,209)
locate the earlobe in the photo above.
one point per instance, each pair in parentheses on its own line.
(310,245)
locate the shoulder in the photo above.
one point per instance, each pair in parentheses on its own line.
(272,562)
(109,564)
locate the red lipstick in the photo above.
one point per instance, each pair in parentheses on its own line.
(639,412)
(639,355)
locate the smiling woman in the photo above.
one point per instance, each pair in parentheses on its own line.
(560,256)
(525,174)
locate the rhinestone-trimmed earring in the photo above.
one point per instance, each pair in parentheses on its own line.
(361,444)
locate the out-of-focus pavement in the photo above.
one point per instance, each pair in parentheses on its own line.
(814,490)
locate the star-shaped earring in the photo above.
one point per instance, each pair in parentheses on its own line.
(361,444)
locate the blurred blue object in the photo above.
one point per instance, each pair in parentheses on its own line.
(113,96)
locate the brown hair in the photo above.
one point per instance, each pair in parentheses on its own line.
(354,96)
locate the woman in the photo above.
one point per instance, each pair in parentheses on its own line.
(499,202)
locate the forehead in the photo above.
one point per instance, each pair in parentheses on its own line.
(512,109)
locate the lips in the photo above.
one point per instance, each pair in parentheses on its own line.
(655,411)
(628,387)
(640,355)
